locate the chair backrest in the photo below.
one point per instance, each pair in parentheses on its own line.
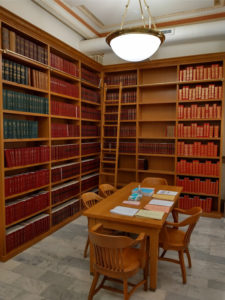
(106,190)
(150,181)
(89,199)
(190,222)
(109,250)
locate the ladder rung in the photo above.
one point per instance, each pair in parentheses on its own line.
(106,173)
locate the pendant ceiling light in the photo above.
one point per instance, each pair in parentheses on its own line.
(138,43)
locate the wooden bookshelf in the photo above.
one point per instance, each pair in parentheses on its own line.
(179,108)
(42,80)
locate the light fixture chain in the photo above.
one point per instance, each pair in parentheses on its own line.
(142,14)
(124,15)
(151,21)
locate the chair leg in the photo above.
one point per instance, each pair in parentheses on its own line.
(164,252)
(125,290)
(86,247)
(188,257)
(93,286)
(183,271)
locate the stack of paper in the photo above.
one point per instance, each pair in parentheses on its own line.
(161,202)
(122,210)
(153,207)
(158,215)
(167,195)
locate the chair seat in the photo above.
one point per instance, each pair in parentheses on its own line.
(175,238)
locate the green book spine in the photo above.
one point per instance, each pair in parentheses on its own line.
(10,100)
(12,73)
(14,129)
(5,123)
(6,69)
(5,99)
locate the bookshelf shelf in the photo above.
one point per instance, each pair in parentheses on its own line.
(196,175)
(160,155)
(64,159)
(24,113)
(158,84)
(65,200)
(201,194)
(26,192)
(157,103)
(65,138)
(21,58)
(199,101)
(88,84)
(27,217)
(199,138)
(23,86)
(26,166)
(90,102)
(88,172)
(199,81)
(63,74)
(90,120)
(65,179)
(64,96)
(64,117)
(157,171)
(25,140)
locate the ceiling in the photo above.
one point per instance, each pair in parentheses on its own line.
(93,18)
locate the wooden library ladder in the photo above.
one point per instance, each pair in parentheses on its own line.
(110,144)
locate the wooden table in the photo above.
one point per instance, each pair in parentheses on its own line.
(100,213)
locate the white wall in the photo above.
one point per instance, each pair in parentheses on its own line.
(37,16)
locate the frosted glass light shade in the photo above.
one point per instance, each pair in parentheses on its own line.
(135,44)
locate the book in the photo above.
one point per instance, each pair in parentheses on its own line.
(153,207)
(164,197)
(158,215)
(131,202)
(161,202)
(135,197)
(122,210)
(148,192)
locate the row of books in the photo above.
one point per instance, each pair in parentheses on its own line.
(89,164)
(127,96)
(64,65)
(26,181)
(194,130)
(127,147)
(187,202)
(23,207)
(21,74)
(90,148)
(111,109)
(63,171)
(90,113)
(65,109)
(111,117)
(90,76)
(197,149)
(125,131)
(90,130)
(200,92)
(156,148)
(128,114)
(89,181)
(20,129)
(195,111)
(18,101)
(196,167)
(26,156)
(64,151)
(15,42)
(65,130)
(197,185)
(65,210)
(126,78)
(90,95)
(26,231)
(65,191)
(64,87)
(201,72)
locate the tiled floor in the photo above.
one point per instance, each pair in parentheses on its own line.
(55,269)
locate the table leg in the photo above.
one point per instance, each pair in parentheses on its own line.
(91,223)
(154,244)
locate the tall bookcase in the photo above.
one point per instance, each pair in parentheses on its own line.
(178,129)
(49,133)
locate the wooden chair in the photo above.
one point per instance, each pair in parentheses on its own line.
(117,260)
(89,199)
(151,181)
(106,190)
(172,238)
